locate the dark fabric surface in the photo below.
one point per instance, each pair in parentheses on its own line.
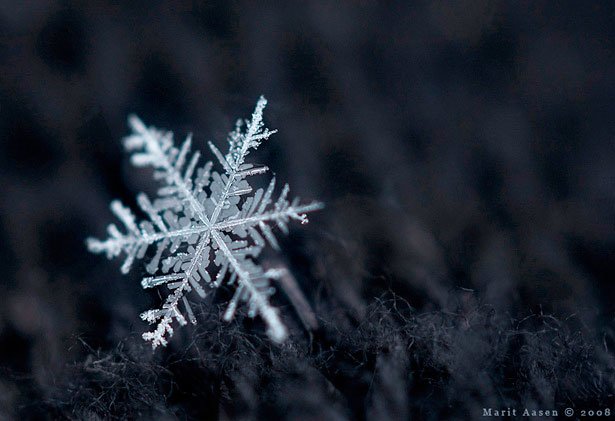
(464,260)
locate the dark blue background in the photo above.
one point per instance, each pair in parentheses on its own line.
(464,150)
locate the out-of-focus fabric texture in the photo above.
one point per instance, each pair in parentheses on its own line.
(464,150)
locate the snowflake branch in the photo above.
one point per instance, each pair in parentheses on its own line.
(155,144)
(169,309)
(276,330)
(297,213)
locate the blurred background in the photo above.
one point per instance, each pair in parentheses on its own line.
(464,150)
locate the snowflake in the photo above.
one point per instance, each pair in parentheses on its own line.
(206,226)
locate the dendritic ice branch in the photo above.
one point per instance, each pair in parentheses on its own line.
(205,227)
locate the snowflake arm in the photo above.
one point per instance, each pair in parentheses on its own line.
(202,224)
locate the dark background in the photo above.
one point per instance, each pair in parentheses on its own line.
(465,153)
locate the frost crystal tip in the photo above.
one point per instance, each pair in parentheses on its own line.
(207,227)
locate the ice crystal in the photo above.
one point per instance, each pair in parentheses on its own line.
(207,227)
